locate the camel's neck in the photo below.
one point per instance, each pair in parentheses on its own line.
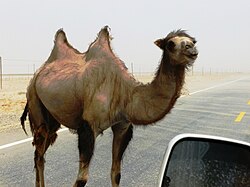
(153,101)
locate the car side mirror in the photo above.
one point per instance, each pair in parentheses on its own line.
(193,160)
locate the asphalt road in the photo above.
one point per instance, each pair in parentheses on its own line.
(221,109)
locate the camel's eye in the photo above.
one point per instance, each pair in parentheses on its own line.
(194,42)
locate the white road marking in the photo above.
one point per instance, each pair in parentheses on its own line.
(23,141)
(64,129)
(15,143)
(212,87)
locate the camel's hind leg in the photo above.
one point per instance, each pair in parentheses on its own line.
(43,138)
(122,135)
(41,143)
(86,141)
(44,127)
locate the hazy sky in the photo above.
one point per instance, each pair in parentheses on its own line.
(221,27)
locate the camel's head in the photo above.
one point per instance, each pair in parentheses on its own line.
(180,47)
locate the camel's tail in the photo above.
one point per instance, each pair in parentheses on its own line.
(24,117)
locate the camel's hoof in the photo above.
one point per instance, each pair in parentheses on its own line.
(80,183)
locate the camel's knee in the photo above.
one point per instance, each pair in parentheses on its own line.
(41,140)
(43,137)
(40,134)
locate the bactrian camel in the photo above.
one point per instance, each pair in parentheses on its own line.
(92,91)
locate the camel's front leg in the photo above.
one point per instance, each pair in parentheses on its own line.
(123,133)
(86,141)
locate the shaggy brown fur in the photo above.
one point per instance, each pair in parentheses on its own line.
(92,91)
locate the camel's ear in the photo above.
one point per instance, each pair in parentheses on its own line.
(160,43)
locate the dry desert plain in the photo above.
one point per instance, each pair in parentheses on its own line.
(13,94)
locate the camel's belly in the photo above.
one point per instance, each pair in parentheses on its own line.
(61,101)
(68,114)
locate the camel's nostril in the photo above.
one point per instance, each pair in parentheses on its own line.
(194,52)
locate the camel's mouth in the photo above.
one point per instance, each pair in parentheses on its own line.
(192,56)
(191,53)
(191,59)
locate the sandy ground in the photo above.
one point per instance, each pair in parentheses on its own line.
(12,102)
(13,94)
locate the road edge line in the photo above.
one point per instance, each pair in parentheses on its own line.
(23,141)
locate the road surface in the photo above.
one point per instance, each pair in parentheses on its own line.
(222,108)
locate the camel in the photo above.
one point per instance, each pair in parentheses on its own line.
(92,91)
